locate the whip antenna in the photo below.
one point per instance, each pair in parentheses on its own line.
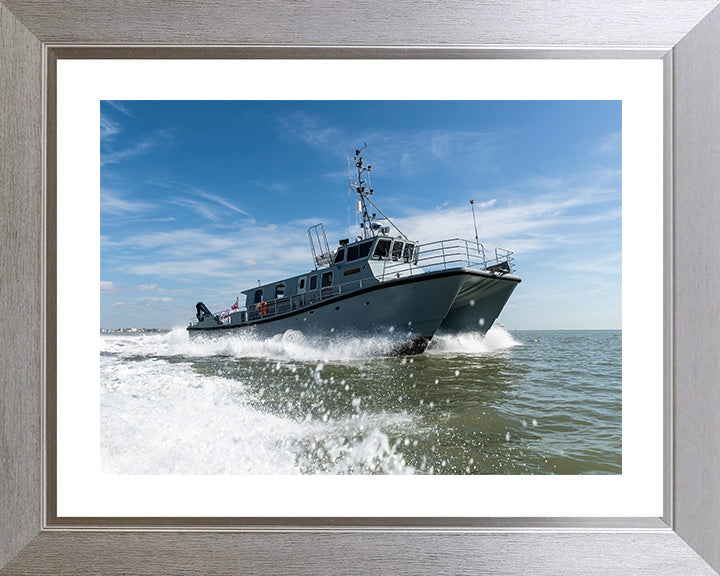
(477,241)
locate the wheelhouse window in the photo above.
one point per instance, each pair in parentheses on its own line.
(408,252)
(340,256)
(382,249)
(365,249)
(397,249)
(313,282)
(301,284)
(258,296)
(327,279)
(353,252)
(279,289)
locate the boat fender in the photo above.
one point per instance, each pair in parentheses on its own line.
(262,308)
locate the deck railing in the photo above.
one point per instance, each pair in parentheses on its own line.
(451,253)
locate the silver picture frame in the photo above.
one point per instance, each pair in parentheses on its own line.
(684,34)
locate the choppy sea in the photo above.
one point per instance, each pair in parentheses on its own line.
(514,402)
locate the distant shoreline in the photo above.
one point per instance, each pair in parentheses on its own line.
(132,330)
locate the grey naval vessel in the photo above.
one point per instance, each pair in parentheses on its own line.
(379,284)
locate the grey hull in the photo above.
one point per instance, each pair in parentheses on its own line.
(407,311)
(478,303)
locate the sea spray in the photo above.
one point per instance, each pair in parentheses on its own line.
(297,405)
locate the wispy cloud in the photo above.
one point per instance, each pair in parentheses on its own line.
(142,304)
(108,128)
(112,202)
(119,106)
(407,152)
(537,223)
(310,129)
(107,287)
(149,288)
(244,255)
(217,200)
(608,145)
(159,137)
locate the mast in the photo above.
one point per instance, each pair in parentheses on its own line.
(361,187)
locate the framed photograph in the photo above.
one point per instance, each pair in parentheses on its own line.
(303,386)
(76,504)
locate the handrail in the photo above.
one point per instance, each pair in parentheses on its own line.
(443,253)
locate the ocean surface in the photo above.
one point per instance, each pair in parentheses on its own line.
(514,402)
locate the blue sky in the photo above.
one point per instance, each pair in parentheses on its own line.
(201,199)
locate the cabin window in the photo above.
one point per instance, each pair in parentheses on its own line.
(382,249)
(327,279)
(258,296)
(279,289)
(313,282)
(397,249)
(301,284)
(365,249)
(353,252)
(340,256)
(408,252)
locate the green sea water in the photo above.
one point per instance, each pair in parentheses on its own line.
(515,402)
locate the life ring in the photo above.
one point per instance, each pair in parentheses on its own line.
(262,308)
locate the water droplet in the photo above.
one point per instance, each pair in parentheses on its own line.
(472,302)
(457,372)
(481,321)
(507,436)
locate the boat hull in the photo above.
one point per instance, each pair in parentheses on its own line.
(406,311)
(478,303)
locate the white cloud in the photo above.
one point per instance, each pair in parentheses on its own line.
(609,144)
(536,224)
(159,137)
(106,287)
(143,304)
(215,210)
(149,288)
(122,108)
(406,152)
(112,203)
(108,128)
